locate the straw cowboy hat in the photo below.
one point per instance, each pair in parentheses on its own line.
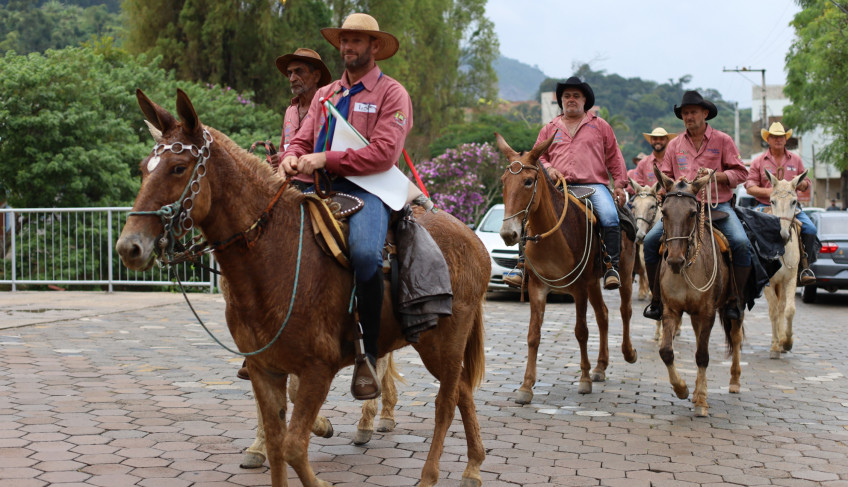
(574,82)
(776,129)
(365,24)
(307,56)
(694,98)
(658,132)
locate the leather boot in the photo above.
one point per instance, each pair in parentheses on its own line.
(515,276)
(736,306)
(369,303)
(612,242)
(809,252)
(654,310)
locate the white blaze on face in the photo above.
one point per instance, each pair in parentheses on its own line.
(152,163)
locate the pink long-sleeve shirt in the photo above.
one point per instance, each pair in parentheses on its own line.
(644,172)
(587,156)
(382,113)
(717,152)
(291,123)
(792,166)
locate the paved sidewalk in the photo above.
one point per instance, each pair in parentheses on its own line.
(126,389)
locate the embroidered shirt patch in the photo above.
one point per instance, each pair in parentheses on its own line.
(400,118)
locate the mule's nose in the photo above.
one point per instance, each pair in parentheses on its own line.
(675,263)
(131,250)
(510,237)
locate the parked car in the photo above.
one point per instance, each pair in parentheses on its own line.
(743,199)
(831,268)
(809,210)
(504,257)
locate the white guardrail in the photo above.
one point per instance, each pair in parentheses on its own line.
(76,246)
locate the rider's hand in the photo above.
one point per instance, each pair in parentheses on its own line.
(620,196)
(554,173)
(309,163)
(288,165)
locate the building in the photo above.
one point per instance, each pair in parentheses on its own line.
(826,178)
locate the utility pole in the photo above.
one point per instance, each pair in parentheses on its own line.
(736,123)
(763,71)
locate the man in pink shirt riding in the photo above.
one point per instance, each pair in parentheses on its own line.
(379,108)
(585,152)
(784,165)
(659,139)
(306,73)
(692,154)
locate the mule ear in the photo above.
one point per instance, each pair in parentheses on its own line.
(773,180)
(505,149)
(156,133)
(699,183)
(188,116)
(540,149)
(797,179)
(656,187)
(633,184)
(156,115)
(662,178)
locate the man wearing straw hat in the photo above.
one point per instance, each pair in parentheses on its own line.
(306,73)
(692,154)
(783,165)
(659,140)
(379,108)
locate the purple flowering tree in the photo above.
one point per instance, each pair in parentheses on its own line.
(464,181)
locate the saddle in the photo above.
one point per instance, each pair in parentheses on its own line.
(578,195)
(328,223)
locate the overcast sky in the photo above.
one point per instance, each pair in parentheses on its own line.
(655,40)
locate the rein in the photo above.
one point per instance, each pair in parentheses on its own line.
(584,259)
(183,206)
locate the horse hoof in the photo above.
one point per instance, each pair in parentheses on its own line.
(362,437)
(584,387)
(524,397)
(787,346)
(328,433)
(734,388)
(385,425)
(469,482)
(631,357)
(682,392)
(252,460)
(702,412)
(598,376)
(774,354)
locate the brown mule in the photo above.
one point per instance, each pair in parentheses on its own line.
(694,278)
(563,260)
(281,284)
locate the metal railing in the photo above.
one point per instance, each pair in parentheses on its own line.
(75,246)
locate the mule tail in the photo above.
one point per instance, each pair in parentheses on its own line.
(391,369)
(474,360)
(727,325)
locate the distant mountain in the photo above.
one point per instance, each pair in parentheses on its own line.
(517,81)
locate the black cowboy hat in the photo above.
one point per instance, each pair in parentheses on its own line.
(694,98)
(574,82)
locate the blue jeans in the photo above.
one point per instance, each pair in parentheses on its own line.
(604,204)
(807,226)
(731,227)
(368,228)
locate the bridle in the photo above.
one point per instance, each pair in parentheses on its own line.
(515,168)
(699,225)
(653,216)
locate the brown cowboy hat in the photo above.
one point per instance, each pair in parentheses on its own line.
(307,56)
(692,97)
(365,24)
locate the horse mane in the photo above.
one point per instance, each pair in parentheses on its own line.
(250,163)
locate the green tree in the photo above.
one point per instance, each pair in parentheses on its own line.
(25,27)
(815,81)
(72,134)
(520,135)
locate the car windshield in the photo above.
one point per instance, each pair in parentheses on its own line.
(833,224)
(493,221)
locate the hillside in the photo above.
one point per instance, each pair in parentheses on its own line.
(517,81)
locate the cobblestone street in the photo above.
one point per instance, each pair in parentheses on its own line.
(127,389)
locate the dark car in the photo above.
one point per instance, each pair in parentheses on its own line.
(831,268)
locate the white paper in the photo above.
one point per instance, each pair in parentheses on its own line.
(391,186)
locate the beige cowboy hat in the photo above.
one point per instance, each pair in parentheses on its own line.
(776,129)
(366,24)
(658,132)
(307,56)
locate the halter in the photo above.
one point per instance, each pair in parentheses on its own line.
(646,194)
(699,224)
(185,203)
(515,168)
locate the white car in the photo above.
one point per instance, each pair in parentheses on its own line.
(504,257)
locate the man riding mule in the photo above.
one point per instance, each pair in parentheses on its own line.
(785,166)
(585,152)
(693,154)
(659,140)
(379,108)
